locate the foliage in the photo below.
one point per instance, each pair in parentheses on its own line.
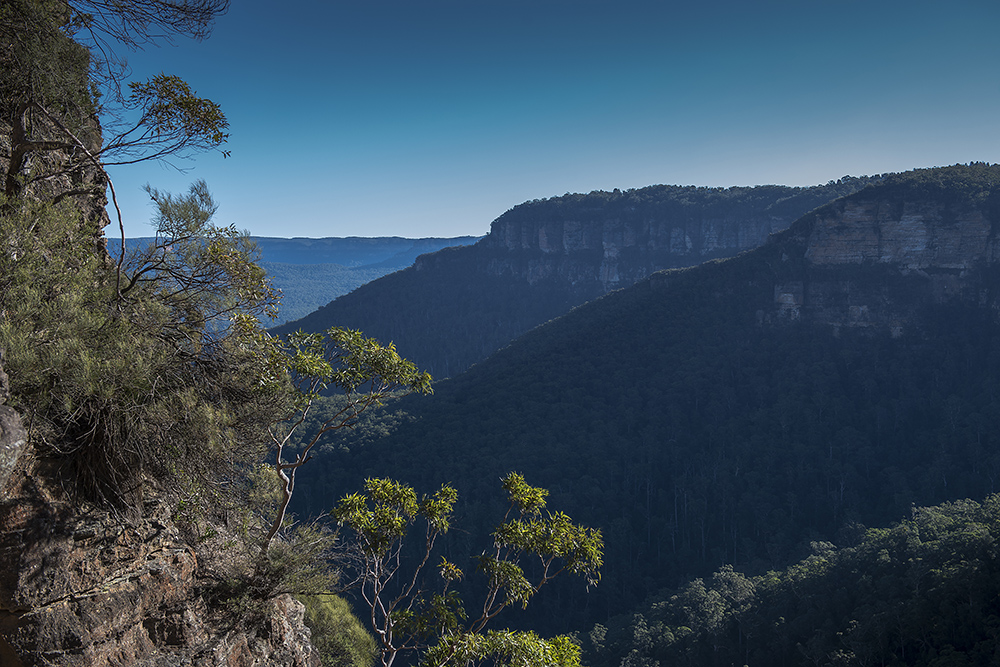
(337,634)
(361,369)
(40,67)
(303,564)
(121,384)
(171,120)
(921,593)
(404,617)
(204,273)
(60,74)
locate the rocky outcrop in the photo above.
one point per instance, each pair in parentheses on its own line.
(85,588)
(614,252)
(69,174)
(910,235)
(608,240)
(878,257)
(13,437)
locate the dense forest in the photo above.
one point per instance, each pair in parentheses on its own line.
(698,428)
(922,592)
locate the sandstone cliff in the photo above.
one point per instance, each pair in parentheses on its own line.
(81,587)
(455,307)
(608,240)
(877,258)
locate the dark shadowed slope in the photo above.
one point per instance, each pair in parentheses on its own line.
(732,412)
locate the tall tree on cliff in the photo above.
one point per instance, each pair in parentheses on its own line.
(61,80)
(66,113)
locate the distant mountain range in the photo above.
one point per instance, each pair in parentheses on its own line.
(311,272)
(455,307)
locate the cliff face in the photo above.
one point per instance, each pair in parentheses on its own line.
(876,258)
(542,258)
(609,240)
(83,588)
(911,235)
(616,252)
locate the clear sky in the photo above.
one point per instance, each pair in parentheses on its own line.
(432,117)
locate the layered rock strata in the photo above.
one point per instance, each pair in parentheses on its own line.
(87,589)
(878,257)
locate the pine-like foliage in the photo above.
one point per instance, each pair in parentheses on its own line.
(135,374)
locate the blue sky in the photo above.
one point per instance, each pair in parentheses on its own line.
(432,117)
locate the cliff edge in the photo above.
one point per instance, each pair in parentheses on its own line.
(82,587)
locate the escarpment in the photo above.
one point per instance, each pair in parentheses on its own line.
(880,257)
(603,253)
(606,240)
(542,258)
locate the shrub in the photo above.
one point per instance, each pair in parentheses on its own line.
(337,634)
(124,385)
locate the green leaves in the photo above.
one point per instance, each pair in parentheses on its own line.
(337,634)
(204,274)
(504,648)
(437,509)
(508,578)
(380,519)
(552,539)
(347,360)
(527,499)
(365,371)
(382,515)
(173,118)
(58,72)
(167,375)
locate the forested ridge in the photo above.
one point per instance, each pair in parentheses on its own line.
(456,307)
(698,428)
(921,592)
(679,203)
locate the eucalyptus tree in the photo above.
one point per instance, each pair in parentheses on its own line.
(407,617)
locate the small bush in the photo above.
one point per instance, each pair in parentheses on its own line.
(337,634)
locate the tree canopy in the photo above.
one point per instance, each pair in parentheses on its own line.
(437,626)
(922,592)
